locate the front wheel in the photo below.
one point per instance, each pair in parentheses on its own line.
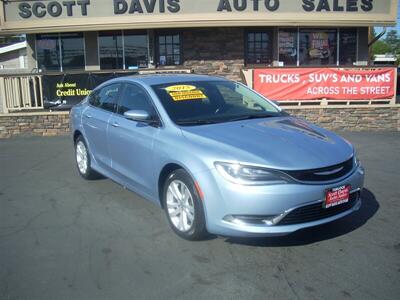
(183,206)
(82,157)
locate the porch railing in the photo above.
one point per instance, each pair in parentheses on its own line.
(24,92)
(18,93)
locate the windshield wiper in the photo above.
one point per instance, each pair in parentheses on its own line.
(197,122)
(223,120)
(249,117)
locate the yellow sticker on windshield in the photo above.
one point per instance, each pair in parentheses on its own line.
(180,88)
(185,92)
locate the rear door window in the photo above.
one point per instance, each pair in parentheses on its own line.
(106,98)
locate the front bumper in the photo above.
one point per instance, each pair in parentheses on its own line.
(223,201)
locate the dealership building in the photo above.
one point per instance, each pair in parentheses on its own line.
(217,37)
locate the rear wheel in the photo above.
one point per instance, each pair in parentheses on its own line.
(83,162)
(183,206)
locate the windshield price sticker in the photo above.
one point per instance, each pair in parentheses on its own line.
(185,92)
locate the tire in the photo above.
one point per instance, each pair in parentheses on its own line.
(185,215)
(83,162)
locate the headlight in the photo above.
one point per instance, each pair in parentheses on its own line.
(250,175)
(358,165)
(356,161)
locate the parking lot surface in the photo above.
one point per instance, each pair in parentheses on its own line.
(65,238)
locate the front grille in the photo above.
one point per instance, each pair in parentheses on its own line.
(323,174)
(315,212)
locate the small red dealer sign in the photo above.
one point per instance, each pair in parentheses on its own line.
(337,196)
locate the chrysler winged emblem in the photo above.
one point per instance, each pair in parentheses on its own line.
(329,172)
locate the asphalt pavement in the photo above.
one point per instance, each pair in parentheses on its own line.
(65,238)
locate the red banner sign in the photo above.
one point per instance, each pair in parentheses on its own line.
(325,83)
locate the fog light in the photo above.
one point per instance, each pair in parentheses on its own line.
(268,220)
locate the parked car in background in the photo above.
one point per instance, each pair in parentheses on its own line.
(215,155)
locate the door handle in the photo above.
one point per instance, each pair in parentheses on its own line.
(115,124)
(88,116)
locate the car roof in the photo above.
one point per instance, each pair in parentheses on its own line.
(155,79)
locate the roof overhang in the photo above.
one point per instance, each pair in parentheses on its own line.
(13,47)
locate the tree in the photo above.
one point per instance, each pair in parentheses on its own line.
(389,44)
(381,47)
(373,32)
(392,39)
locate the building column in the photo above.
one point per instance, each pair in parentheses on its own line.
(363,51)
(91,51)
(31,62)
(275,47)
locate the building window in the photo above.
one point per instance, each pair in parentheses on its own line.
(347,46)
(288,46)
(110,50)
(169,49)
(59,52)
(318,47)
(72,51)
(123,50)
(135,45)
(48,52)
(259,47)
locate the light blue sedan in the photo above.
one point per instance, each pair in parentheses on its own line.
(215,155)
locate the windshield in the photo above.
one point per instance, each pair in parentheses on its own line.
(207,102)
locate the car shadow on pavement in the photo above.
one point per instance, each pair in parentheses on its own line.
(320,233)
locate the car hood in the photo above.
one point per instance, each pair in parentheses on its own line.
(285,143)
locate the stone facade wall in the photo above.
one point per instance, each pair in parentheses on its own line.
(371,118)
(34,124)
(216,51)
(334,118)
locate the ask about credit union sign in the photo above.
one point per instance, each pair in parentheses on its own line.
(285,84)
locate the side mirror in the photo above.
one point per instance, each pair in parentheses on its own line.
(143,117)
(137,115)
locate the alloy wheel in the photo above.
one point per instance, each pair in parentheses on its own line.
(180,205)
(81,157)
